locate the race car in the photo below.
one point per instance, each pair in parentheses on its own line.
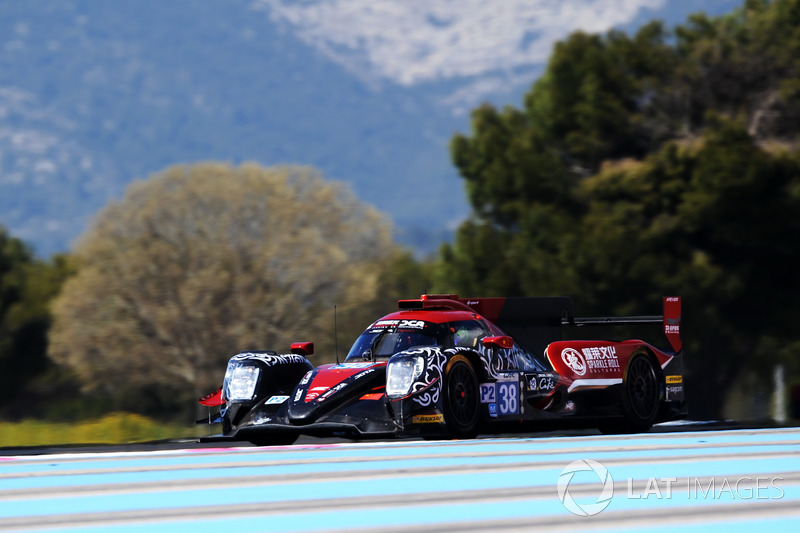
(444,366)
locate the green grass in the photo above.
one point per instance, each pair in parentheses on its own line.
(114,428)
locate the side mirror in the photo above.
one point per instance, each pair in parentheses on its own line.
(303,348)
(503,342)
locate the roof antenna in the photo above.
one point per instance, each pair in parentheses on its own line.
(335,335)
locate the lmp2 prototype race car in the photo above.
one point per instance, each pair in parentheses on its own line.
(442,366)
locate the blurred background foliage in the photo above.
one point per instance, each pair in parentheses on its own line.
(638,166)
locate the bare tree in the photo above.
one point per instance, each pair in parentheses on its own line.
(200,262)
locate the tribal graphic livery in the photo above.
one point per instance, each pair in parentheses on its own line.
(496,362)
(425,390)
(451,367)
(269,358)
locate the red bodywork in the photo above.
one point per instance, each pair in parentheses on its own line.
(510,383)
(328,377)
(597,364)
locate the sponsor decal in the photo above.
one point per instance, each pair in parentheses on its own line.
(427,419)
(493,410)
(674,392)
(333,390)
(541,383)
(573,359)
(298,394)
(276,399)
(306,378)
(674,379)
(271,359)
(364,373)
(313,392)
(398,324)
(411,324)
(601,358)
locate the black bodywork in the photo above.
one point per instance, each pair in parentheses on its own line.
(442,366)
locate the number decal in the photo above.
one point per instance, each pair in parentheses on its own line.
(487,393)
(502,396)
(508,394)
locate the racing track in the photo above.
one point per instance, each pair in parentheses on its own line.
(742,480)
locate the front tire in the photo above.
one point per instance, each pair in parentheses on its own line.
(461,399)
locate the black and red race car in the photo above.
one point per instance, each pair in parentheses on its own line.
(456,367)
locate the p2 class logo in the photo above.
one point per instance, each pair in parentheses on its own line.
(606,489)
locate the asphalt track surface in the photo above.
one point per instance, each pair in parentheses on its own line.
(725,480)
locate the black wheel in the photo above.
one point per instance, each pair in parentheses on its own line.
(461,401)
(641,397)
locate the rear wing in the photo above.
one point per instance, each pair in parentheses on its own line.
(536,322)
(670,318)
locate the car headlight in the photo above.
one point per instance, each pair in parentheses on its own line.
(240,381)
(401,373)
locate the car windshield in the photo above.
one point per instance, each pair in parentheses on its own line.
(385,338)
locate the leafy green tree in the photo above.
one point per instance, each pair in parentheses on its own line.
(15,367)
(27,286)
(747,63)
(200,262)
(647,165)
(522,168)
(713,221)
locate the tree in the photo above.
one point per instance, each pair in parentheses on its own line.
(746,63)
(522,168)
(713,221)
(15,366)
(27,286)
(644,166)
(200,262)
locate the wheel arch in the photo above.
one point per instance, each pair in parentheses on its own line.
(644,351)
(476,360)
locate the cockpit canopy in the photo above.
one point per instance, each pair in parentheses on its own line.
(387,337)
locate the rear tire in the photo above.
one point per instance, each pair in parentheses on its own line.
(461,399)
(641,398)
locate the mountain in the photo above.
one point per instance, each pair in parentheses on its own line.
(94,95)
